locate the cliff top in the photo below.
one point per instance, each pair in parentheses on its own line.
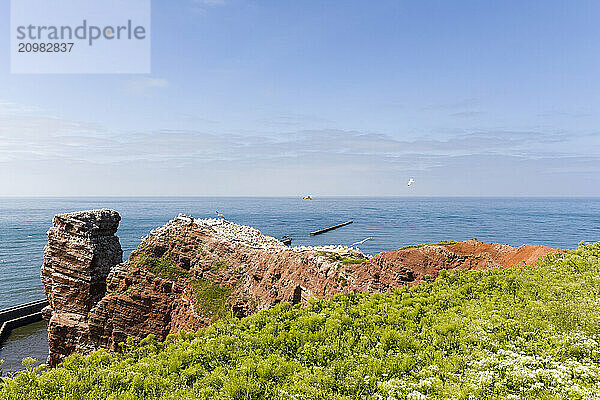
(101,222)
(248,236)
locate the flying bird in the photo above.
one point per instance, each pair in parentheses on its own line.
(411,181)
(361,242)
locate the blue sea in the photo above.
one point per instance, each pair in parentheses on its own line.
(392,222)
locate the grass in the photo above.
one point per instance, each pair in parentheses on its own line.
(162,267)
(415,246)
(221,265)
(212,299)
(343,259)
(353,260)
(516,333)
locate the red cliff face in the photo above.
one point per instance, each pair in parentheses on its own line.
(82,248)
(391,267)
(190,272)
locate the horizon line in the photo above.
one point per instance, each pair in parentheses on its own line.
(8,197)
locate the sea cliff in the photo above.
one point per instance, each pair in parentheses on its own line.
(191,272)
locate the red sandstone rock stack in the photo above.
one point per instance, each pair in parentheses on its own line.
(82,248)
(190,272)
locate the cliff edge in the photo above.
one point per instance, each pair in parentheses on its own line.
(190,272)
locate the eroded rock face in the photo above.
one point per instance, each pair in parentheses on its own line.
(392,269)
(190,272)
(82,248)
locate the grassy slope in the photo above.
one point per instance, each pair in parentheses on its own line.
(212,299)
(501,334)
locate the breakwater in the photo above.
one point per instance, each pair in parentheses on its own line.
(21,315)
(391,222)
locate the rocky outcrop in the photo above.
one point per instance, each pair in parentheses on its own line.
(82,248)
(190,272)
(410,265)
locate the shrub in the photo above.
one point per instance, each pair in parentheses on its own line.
(518,333)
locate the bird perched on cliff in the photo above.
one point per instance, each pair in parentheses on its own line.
(220,215)
(361,242)
(411,181)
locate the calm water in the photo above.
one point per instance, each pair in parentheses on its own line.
(26,341)
(392,222)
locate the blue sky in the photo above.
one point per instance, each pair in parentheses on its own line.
(472,98)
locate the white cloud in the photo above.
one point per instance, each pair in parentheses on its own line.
(144,84)
(45,155)
(8,108)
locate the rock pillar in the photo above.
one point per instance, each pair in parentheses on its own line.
(82,248)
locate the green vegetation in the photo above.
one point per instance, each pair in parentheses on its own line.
(212,299)
(162,267)
(519,333)
(416,246)
(345,260)
(353,260)
(221,264)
